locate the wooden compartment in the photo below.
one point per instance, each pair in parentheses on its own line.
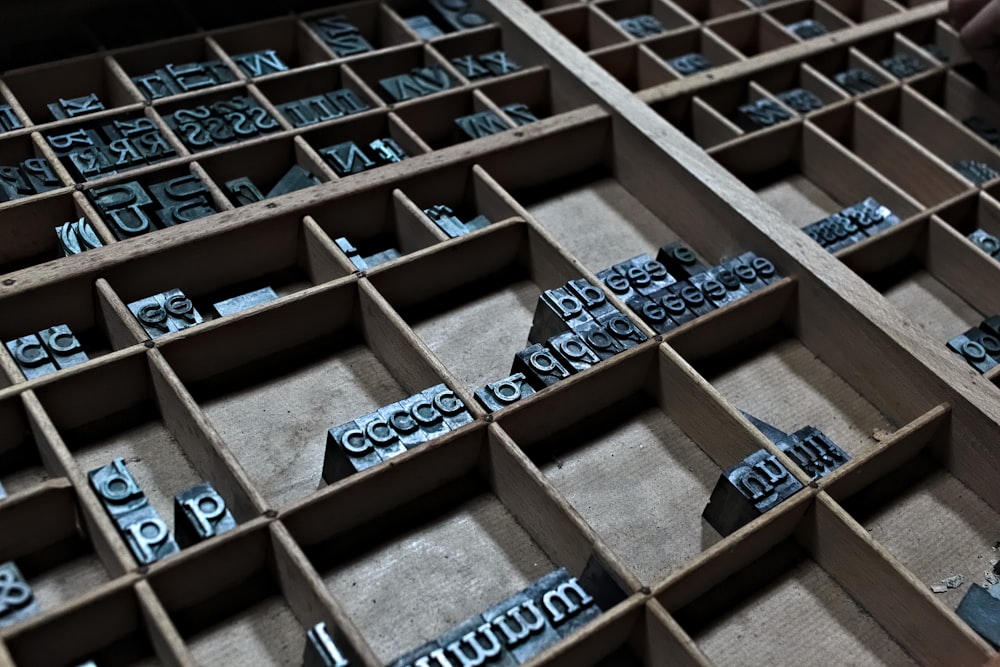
(49,545)
(861,11)
(816,10)
(14,150)
(887,46)
(752,34)
(144,60)
(806,176)
(364,129)
(705,10)
(30,229)
(335,368)
(434,120)
(585,27)
(670,17)
(380,66)
(783,78)
(387,555)
(293,44)
(68,80)
(716,50)
(636,67)
(25,462)
(377,24)
(314,81)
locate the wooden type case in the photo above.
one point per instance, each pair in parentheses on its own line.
(610,468)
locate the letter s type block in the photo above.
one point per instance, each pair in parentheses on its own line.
(753,486)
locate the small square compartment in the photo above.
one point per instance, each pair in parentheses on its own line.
(753,34)
(376,24)
(634,66)
(68,80)
(22,467)
(668,15)
(434,120)
(398,62)
(784,78)
(362,130)
(815,10)
(586,27)
(196,135)
(696,40)
(144,61)
(14,152)
(312,82)
(30,230)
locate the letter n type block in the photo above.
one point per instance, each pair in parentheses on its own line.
(200,513)
(17,601)
(321,651)
(744,492)
(813,452)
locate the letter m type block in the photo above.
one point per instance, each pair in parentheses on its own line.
(753,486)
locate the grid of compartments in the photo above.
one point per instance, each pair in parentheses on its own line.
(303,109)
(605,473)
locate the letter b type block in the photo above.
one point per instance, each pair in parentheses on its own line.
(200,513)
(753,486)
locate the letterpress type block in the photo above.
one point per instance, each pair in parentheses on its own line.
(743,269)
(690,63)
(504,392)
(680,260)
(382,257)
(986,242)
(352,253)
(426,414)
(8,119)
(424,27)
(693,298)
(347,451)
(200,513)
(321,651)
(17,601)
(498,63)
(870,216)
(598,339)
(556,311)
(539,366)
(980,608)
(991,325)
(63,346)
(296,178)
(976,171)
(404,87)
(572,352)
(166,312)
(591,297)
(342,37)
(800,100)
(445,218)
(75,106)
(715,291)
(642,25)
(520,113)
(259,63)
(31,356)
(381,435)
(117,490)
(14,184)
(521,625)
(385,150)
(980,349)
(617,283)
(429,651)
(677,309)
(753,486)
(478,222)
(474,642)
(621,328)
(400,420)
(903,65)
(565,603)
(813,452)
(807,29)
(148,537)
(645,275)
(451,407)
(470,67)
(857,80)
(652,312)
(347,158)
(760,114)
(480,124)
(40,175)
(242,191)
(122,206)
(244,301)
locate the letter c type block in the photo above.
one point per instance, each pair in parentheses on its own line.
(753,486)
(200,513)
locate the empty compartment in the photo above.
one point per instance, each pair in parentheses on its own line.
(71,81)
(334,367)
(667,15)
(634,66)
(585,27)
(706,10)
(111,628)
(22,465)
(861,11)
(752,34)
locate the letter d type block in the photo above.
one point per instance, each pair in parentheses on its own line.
(753,486)
(200,513)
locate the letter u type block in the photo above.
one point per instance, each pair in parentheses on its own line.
(755,485)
